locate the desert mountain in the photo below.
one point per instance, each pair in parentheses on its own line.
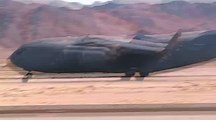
(21,22)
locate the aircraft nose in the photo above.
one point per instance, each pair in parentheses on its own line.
(16,57)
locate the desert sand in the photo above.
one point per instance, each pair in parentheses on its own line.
(194,84)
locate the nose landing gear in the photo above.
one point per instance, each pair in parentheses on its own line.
(26,78)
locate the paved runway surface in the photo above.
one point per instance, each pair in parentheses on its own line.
(116,116)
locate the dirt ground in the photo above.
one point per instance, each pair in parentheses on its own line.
(195,84)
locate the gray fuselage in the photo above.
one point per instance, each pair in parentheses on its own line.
(65,57)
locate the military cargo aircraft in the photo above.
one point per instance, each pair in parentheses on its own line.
(143,54)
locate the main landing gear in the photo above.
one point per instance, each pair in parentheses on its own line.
(143,74)
(132,72)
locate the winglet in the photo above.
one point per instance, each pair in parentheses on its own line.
(172,42)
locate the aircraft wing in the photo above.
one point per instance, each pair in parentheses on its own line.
(119,47)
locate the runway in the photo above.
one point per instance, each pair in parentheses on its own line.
(137,116)
(117,116)
(106,112)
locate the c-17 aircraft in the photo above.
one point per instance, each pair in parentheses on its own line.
(143,54)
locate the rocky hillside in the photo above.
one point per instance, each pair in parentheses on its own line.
(21,23)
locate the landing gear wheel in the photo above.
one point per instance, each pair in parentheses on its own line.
(144,74)
(130,73)
(26,78)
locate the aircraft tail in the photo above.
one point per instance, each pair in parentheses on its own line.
(172,43)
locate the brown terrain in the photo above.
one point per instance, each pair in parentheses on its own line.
(21,23)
